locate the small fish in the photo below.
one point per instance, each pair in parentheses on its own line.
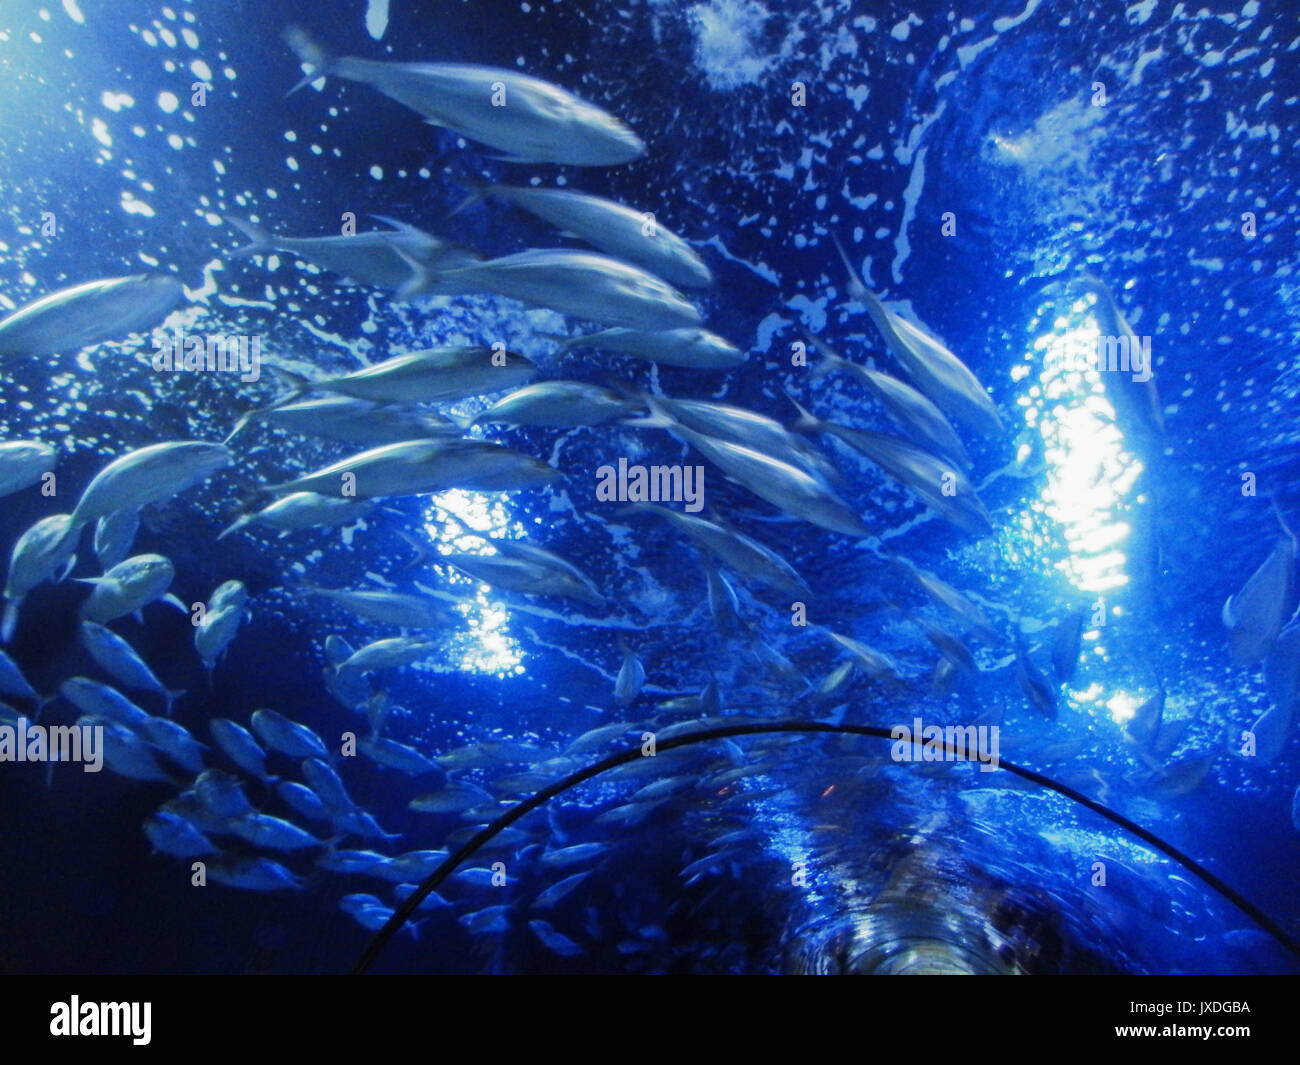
(555,942)
(99,700)
(691,348)
(539,122)
(23,463)
(118,658)
(215,633)
(950,599)
(147,475)
(114,535)
(366,863)
(580,284)
(724,607)
(434,375)
(623,232)
(522,567)
(302,800)
(328,785)
(936,370)
(1067,644)
(417,467)
(302,510)
(559,890)
(351,421)
(361,824)
(367,258)
(450,800)
(221,794)
(228,593)
(493,920)
(175,741)
(73,318)
(631,678)
(240,746)
(128,587)
(392,653)
(263,830)
(556,404)
(126,754)
(596,738)
(875,663)
(397,756)
(1144,726)
(386,608)
(580,852)
(414,866)
(1182,776)
(37,556)
(1256,614)
(1037,688)
(174,835)
(252,874)
(288,737)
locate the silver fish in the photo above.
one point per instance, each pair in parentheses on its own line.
(386,608)
(936,370)
(397,756)
(351,421)
(523,567)
(215,633)
(228,593)
(23,463)
(929,477)
(950,599)
(99,700)
(691,347)
(559,404)
(39,553)
(263,830)
(576,283)
(240,746)
(747,557)
(252,874)
(114,535)
(172,834)
(74,318)
(615,229)
(175,741)
(302,510)
(555,942)
(630,680)
(417,467)
(529,119)
(366,258)
(127,587)
(302,800)
(433,375)
(288,737)
(327,785)
(1256,614)
(221,795)
(119,659)
(126,754)
(148,475)
(389,654)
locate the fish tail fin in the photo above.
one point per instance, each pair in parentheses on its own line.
(9,624)
(235,526)
(300,383)
(807,422)
(857,289)
(310,53)
(259,240)
(170,695)
(1277,512)
(240,425)
(421,279)
(478,189)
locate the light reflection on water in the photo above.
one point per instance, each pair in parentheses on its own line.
(486,646)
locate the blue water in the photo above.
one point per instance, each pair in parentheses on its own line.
(990,114)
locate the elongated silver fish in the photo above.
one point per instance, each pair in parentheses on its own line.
(366,258)
(99,700)
(119,659)
(690,347)
(129,586)
(263,830)
(875,663)
(388,608)
(577,283)
(23,463)
(252,874)
(302,510)
(74,318)
(950,599)
(1256,614)
(786,487)
(615,229)
(938,482)
(419,466)
(529,119)
(435,375)
(1134,395)
(350,421)
(172,834)
(559,404)
(147,475)
(389,654)
(936,370)
(37,556)
(397,756)
(919,419)
(523,567)
(240,746)
(288,737)
(630,680)
(114,535)
(747,557)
